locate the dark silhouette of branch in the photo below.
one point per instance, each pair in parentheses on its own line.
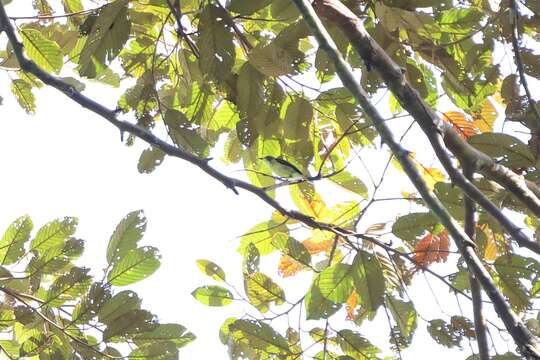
(440,133)
(476,293)
(528,344)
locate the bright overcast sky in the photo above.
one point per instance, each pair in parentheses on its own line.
(65,161)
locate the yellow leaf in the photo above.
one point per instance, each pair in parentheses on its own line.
(485,119)
(491,251)
(351,304)
(432,176)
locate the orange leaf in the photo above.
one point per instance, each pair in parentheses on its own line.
(485,118)
(315,247)
(464,127)
(351,304)
(288,266)
(431,248)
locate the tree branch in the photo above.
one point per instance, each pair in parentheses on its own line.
(527,343)
(439,132)
(476,294)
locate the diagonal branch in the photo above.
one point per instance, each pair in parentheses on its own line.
(476,293)
(528,344)
(439,132)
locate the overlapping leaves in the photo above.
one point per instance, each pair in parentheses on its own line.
(53,291)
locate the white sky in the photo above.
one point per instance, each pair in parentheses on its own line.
(65,161)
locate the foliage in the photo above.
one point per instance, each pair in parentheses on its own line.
(54,309)
(246,80)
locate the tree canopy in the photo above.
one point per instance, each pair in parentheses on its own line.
(415,127)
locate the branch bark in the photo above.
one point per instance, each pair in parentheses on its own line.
(528,344)
(476,293)
(439,132)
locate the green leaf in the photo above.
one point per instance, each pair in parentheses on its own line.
(120,304)
(443,333)
(107,37)
(284,10)
(68,287)
(508,150)
(71,6)
(247,7)
(250,90)
(410,226)
(252,258)
(34,345)
(292,247)
(211,269)
(11,347)
(174,333)
(298,119)
(44,52)
(368,280)
(155,351)
(355,345)
(212,295)
(57,258)
(184,133)
(335,282)
(13,240)
(271,60)
(127,234)
(512,271)
(134,266)
(150,159)
(260,336)
(261,236)
(350,182)
(404,315)
(131,322)
(53,234)
(89,305)
(217,52)
(261,291)
(22,91)
(317,306)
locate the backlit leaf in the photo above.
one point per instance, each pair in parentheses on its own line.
(127,234)
(135,265)
(211,269)
(212,295)
(44,52)
(14,239)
